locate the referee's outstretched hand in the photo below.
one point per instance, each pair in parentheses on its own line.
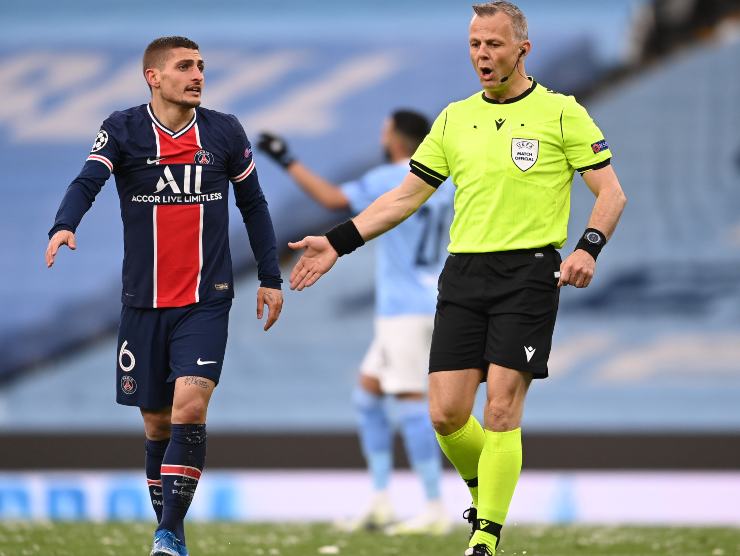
(318,259)
(577,269)
(62,237)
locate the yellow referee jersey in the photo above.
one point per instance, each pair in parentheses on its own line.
(512,164)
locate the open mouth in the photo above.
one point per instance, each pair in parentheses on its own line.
(193,89)
(486,72)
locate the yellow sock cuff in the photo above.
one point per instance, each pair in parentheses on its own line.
(503,442)
(468,428)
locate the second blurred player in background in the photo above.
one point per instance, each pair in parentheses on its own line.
(409,260)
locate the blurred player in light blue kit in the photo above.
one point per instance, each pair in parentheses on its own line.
(394,370)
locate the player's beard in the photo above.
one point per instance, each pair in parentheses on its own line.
(187,103)
(182,101)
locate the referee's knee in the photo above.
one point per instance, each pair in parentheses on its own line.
(502,417)
(447,420)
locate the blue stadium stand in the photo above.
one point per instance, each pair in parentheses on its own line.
(652,345)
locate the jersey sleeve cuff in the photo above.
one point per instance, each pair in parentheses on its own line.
(435,179)
(272,283)
(597,166)
(59,227)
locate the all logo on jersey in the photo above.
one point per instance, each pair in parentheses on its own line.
(524,152)
(174,190)
(101,140)
(128,384)
(168,180)
(203,157)
(499,123)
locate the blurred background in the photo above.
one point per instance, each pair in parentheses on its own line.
(640,420)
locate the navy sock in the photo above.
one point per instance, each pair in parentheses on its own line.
(181,469)
(155,450)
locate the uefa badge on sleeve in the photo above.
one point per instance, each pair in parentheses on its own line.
(101,140)
(524,152)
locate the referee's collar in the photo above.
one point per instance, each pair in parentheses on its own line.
(513,99)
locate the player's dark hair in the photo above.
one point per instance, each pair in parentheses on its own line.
(411,126)
(518,20)
(156,53)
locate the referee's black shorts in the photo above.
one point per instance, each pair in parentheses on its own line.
(496,308)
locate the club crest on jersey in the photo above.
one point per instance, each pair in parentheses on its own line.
(203,157)
(101,140)
(524,152)
(128,384)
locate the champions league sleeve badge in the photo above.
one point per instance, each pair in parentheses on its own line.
(101,140)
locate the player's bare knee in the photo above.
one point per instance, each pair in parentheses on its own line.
(156,424)
(190,412)
(446,421)
(501,416)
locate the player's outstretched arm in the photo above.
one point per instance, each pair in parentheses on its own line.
(62,237)
(386,212)
(579,267)
(273,299)
(319,189)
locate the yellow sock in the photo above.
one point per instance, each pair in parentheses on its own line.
(498,473)
(463,448)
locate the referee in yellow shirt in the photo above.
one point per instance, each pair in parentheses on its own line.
(512,151)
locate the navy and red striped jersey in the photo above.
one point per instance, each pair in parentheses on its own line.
(173,189)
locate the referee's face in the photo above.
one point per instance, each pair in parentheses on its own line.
(493,48)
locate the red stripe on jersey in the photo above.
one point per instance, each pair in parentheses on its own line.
(101,158)
(152,482)
(180,150)
(183,470)
(245,174)
(178,237)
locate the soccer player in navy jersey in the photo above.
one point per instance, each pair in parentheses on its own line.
(173,161)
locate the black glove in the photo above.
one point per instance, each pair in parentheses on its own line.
(276,148)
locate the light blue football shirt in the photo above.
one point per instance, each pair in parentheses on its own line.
(411,255)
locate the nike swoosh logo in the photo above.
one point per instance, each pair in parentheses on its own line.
(201,362)
(155,160)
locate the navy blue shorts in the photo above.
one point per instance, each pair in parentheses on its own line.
(156,346)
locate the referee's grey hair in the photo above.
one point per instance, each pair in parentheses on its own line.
(518,19)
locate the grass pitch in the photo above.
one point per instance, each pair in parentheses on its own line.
(134,539)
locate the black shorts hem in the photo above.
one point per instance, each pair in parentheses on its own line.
(540,372)
(481,365)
